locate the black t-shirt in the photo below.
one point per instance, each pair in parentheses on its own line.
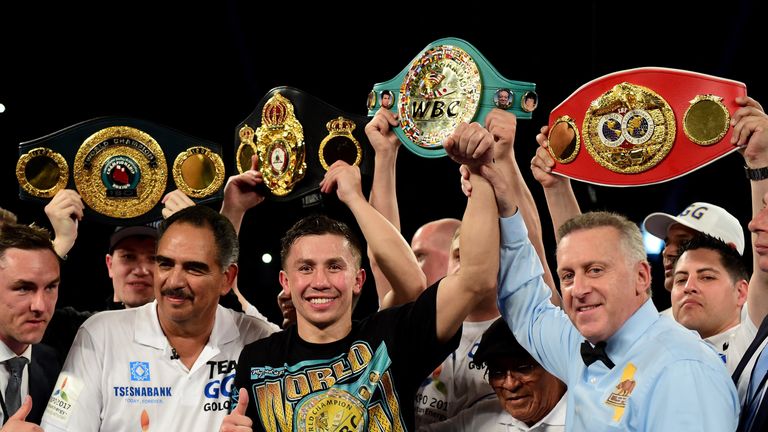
(369,376)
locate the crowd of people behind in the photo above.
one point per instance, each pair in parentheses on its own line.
(472,332)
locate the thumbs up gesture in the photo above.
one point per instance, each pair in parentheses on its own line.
(237,421)
(18,421)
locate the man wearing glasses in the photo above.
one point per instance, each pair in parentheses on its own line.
(528,398)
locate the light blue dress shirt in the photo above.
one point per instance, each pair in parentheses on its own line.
(665,379)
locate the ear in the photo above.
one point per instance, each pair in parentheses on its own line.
(742,290)
(284,282)
(359,281)
(230,274)
(108,260)
(643,278)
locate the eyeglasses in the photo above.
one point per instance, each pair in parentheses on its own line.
(520,373)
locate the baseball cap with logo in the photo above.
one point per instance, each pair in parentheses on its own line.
(703,217)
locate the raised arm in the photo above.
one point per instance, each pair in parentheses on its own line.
(750,132)
(240,194)
(386,144)
(503,125)
(395,258)
(458,294)
(64,212)
(384,196)
(561,200)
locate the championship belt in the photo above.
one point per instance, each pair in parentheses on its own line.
(449,82)
(296,138)
(120,167)
(343,407)
(643,126)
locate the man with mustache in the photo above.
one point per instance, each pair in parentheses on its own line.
(169,364)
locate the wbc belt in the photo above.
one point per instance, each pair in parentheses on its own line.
(449,82)
(120,167)
(643,126)
(297,137)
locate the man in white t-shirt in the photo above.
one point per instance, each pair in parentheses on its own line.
(709,289)
(170,364)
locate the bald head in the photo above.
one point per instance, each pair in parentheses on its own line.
(432,246)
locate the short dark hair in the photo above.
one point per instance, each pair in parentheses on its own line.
(25,237)
(227,245)
(319,225)
(729,256)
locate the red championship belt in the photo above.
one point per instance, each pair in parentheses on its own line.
(643,126)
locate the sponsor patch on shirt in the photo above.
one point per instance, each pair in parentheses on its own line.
(64,398)
(620,395)
(139,371)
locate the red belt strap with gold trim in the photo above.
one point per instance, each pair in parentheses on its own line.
(643,126)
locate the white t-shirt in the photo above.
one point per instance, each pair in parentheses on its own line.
(119,375)
(457,383)
(488,416)
(733,343)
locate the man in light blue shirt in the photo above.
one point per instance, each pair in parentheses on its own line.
(652,374)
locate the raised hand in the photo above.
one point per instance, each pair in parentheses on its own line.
(240,191)
(174,201)
(470,144)
(750,132)
(65,211)
(502,125)
(345,179)
(542,163)
(380,134)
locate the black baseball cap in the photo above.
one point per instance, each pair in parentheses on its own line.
(123,232)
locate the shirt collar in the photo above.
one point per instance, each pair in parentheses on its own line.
(149,332)
(6,353)
(629,333)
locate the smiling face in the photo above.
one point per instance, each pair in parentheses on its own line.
(601,287)
(29,287)
(525,390)
(131,267)
(322,275)
(189,280)
(704,296)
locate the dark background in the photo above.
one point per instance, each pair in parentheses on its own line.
(202,70)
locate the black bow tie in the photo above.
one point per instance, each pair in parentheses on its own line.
(592,354)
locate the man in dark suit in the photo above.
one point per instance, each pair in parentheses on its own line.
(29,287)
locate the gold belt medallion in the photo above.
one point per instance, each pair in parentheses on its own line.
(42,172)
(629,129)
(441,90)
(334,410)
(120,172)
(280,146)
